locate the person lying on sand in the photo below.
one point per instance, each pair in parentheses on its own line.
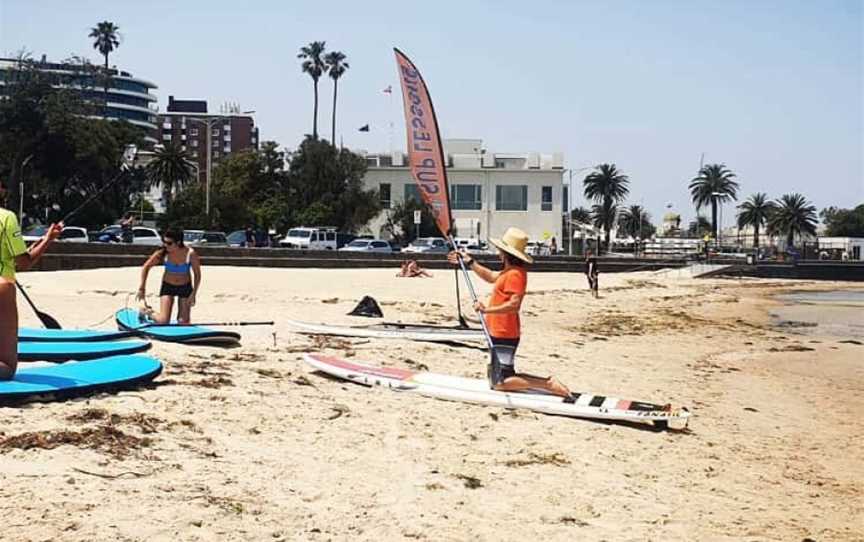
(501,312)
(411,268)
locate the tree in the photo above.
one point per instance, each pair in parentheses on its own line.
(106,38)
(326,187)
(755,212)
(607,187)
(314,65)
(843,222)
(170,169)
(714,183)
(793,215)
(400,221)
(698,226)
(636,222)
(336,67)
(580,215)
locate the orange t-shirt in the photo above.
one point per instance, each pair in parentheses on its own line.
(511,282)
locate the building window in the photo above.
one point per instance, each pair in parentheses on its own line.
(412,192)
(384,195)
(466,197)
(193,131)
(546,198)
(194,142)
(215,133)
(166,137)
(215,143)
(511,197)
(227,149)
(216,154)
(227,128)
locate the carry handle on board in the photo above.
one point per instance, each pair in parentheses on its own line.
(154,324)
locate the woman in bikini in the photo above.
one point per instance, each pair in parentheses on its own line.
(182,278)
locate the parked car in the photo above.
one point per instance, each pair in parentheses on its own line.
(197,238)
(428,245)
(70,234)
(310,239)
(141,235)
(236,238)
(376,246)
(535,248)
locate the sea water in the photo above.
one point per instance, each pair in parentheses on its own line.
(837,313)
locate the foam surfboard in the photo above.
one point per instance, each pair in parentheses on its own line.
(65,351)
(79,377)
(410,332)
(131,320)
(472,390)
(27,334)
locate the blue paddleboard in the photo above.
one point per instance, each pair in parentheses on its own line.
(59,352)
(80,377)
(28,334)
(131,320)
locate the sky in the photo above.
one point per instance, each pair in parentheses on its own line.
(772,89)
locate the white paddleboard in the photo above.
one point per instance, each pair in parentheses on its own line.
(409,332)
(472,390)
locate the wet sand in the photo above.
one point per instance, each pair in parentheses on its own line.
(248,444)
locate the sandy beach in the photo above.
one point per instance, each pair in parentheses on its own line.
(248,444)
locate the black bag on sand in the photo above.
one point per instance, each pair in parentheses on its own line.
(367,307)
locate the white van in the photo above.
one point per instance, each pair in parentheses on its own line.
(310,239)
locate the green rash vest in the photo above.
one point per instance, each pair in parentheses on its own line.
(11,244)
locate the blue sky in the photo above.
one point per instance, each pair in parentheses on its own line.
(773,89)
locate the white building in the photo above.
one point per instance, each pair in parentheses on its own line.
(836,247)
(489,192)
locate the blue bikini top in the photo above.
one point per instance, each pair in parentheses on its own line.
(182,268)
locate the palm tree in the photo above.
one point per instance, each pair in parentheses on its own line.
(170,168)
(793,214)
(337,67)
(314,65)
(607,186)
(755,212)
(713,184)
(633,220)
(106,38)
(580,215)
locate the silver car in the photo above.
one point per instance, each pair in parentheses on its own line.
(428,245)
(376,246)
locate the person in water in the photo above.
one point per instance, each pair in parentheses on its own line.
(182,278)
(592,273)
(14,255)
(501,312)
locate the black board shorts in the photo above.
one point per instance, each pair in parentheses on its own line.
(505,349)
(173,290)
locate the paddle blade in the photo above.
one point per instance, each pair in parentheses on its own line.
(48,321)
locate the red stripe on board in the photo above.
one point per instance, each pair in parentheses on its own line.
(398,374)
(623,404)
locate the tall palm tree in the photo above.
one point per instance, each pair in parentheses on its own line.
(755,212)
(170,168)
(336,67)
(793,214)
(713,184)
(314,65)
(607,187)
(106,38)
(633,220)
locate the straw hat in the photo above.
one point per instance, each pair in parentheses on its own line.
(514,242)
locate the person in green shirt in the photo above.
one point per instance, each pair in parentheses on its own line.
(14,254)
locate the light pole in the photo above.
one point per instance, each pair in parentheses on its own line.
(567,223)
(209,124)
(21,189)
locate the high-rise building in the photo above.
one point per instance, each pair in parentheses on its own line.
(128,97)
(188,124)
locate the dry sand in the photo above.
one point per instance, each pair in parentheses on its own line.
(247,444)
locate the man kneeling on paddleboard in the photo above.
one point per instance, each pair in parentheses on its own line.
(502,312)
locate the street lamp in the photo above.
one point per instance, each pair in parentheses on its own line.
(209,124)
(570,207)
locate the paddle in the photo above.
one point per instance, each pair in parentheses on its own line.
(47,320)
(154,324)
(128,158)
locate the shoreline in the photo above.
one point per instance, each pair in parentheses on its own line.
(249,444)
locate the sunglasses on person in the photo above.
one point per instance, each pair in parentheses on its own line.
(168,243)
